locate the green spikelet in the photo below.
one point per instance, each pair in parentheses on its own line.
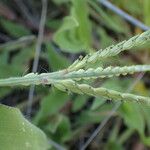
(136,41)
(106,93)
(67,78)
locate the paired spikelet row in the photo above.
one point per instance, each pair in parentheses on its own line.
(105,72)
(136,41)
(106,93)
(67,78)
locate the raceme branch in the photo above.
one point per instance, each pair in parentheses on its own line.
(67,79)
(134,42)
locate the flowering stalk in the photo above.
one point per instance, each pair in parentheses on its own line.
(67,78)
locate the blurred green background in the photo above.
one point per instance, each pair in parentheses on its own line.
(74,28)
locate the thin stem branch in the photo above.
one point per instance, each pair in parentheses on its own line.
(19,43)
(56,145)
(25,12)
(124,15)
(37,53)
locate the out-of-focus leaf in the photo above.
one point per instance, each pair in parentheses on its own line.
(16,133)
(146,9)
(105,39)
(50,119)
(84,28)
(4,59)
(14,29)
(63,132)
(133,117)
(125,135)
(117,84)
(141,89)
(146,112)
(145,140)
(53,123)
(98,101)
(51,104)
(87,117)
(57,61)
(79,103)
(4,71)
(75,33)
(114,145)
(53,24)
(64,37)
(13,68)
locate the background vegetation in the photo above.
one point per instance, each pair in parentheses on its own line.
(74,28)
